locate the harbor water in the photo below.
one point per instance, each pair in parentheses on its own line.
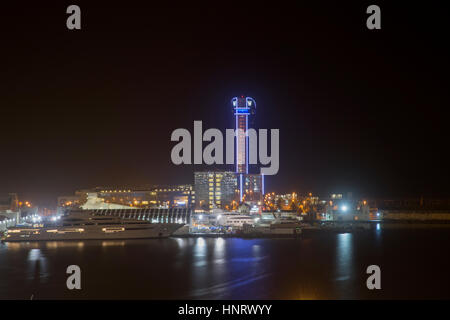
(414,264)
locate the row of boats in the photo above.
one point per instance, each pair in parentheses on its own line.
(104,225)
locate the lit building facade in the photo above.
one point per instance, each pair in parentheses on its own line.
(242,108)
(215,188)
(178,196)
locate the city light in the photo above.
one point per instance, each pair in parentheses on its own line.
(36,218)
(344,208)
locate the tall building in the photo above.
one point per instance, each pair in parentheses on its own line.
(251,186)
(215,188)
(243,107)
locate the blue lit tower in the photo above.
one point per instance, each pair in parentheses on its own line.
(243,107)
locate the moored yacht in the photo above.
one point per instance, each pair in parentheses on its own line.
(87,225)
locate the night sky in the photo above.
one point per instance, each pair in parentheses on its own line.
(358,110)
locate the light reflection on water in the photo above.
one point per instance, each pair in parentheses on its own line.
(37,266)
(44,244)
(181,242)
(34,254)
(112,243)
(62,244)
(344,263)
(219,251)
(219,275)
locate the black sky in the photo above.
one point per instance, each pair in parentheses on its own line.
(358,110)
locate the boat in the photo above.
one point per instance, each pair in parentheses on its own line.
(87,225)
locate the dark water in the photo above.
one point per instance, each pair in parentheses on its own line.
(414,264)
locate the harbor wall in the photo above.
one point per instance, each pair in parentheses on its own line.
(416,215)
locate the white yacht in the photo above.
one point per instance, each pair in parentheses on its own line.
(87,225)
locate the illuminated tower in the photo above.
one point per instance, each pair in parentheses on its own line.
(243,107)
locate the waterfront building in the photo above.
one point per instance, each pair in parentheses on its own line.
(129,196)
(178,196)
(154,215)
(215,189)
(347,210)
(148,197)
